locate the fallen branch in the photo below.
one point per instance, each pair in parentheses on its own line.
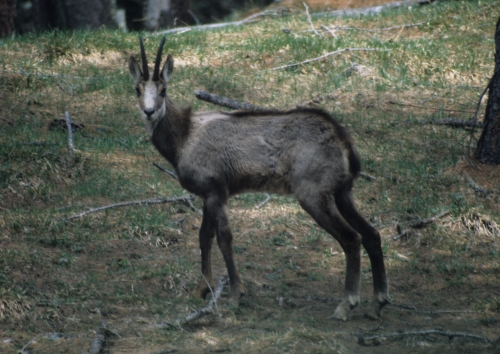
(24,350)
(207,309)
(424,222)
(426,107)
(325,56)
(219,25)
(165,170)
(406,307)
(224,101)
(70,133)
(152,201)
(201,312)
(377,339)
(261,204)
(485,193)
(419,224)
(367,176)
(309,19)
(377,30)
(454,123)
(371,10)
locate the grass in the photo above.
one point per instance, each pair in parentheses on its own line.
(135,266)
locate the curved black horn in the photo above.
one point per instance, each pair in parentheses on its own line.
(144,61)
(156,72)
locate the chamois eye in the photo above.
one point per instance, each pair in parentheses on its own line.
(138,91)
(163,92)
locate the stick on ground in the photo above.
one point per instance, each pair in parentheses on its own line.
(325,56)
(376,339)
(152,201)
(418,225)
(70,133)
(207,309)
(165,170)
(224,101)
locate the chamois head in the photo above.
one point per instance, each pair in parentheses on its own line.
(151,91)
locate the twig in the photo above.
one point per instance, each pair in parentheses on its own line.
(375,340)
(261,204)
(485,193)
(24,350)
(212,292)
(70,133)
(377,30)
(325,56)
(450,122)
(371,10)
(406,307)
(367,176)
(419,224)
(218,25)
(134,202)
(329,31)
(100,339)
(192,207)
(426,107)
(207,309)
(165,170)
(309,19)
(423,223)
(224,101)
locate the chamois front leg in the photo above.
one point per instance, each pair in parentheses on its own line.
(225,241)
(207,233)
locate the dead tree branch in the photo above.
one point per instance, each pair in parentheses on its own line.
(427,107)
(372,9)
(173,175)
(377,339)
(249,19)
(337,52)
(450,122)
(70,133)
(152,201)
(207,309)
(24,350)
(367,176)
(331,29)
(201,312)
(309,19)
(224,101)
(485,193)
(406,307)
(419,224)
(264,202)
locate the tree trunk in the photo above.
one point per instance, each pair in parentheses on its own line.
(488,146)
(7,13)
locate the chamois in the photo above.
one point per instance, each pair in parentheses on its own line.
(302,151)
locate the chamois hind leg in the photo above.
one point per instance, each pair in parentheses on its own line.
(372,243)
(218,210)
(323,209)
(207,233)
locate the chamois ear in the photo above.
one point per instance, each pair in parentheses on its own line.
(168,67)
(135,70)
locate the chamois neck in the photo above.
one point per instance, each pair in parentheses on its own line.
(170,132)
